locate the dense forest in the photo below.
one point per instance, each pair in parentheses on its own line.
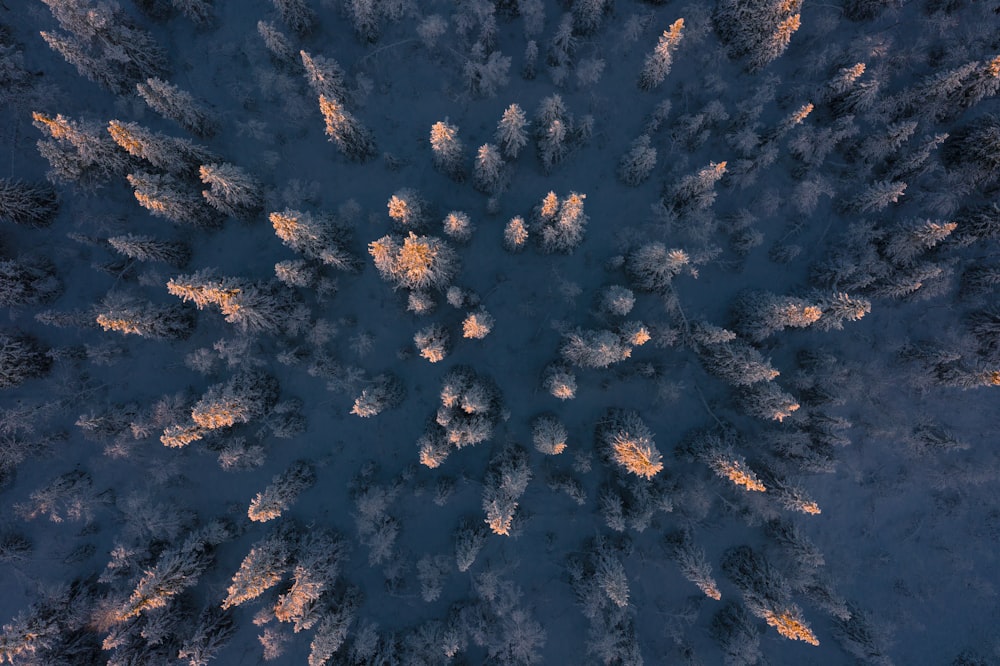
(423,332)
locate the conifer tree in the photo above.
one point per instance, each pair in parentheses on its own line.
(506,480)
(178,105)
(657,64)
(28,281)
(147,248)
(28,204)
(490,174)
(78,152)
(22,357)
(757,30)
(627,441)
(180,157)
(325,76)
(511,133)
(758,314)
(316,237)
(276,42)
(164,196)
(130,316)
(232,191)
(296,14)
(263,568)
(385,392)
(635,166)
(282,492)
(352,138)
(418,262)
(408,210)
(447,150)
(515,235)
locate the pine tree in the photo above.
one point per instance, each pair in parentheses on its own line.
(408,210)
(432,342)
(22,357)
(104,44)
(490,175)
(652,267)
(214,630)
(28,281)
(757,30)
(692,563)
(657,64)
(28,204)
(246,397)
(563,230)
(477,325)
(198,11)
(628,442)
(147,248)
(469,540)
(594,349)
(635,167)
(263,568)
(178,105)
(282,492)
(296,14)
(179,157)
(385,392)
(447,149)
(486,74)
(325,76)
(279,46)
(130,316)
(316,237)
(548,435)
(506,480)
(78,152)
(458,226)
(232,191)
(352,138)
(164,196)
(511,133)
(878,196)
(759,314)
(418,262)
(515,235)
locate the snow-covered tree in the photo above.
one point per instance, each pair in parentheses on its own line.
(178,105)
(296,14)
(408,210)
(325,76)
(352,138)
(636,166)
(512,133)
(282,492)
(28,204)
(22,357)
(385,392)
(548,434)
(263,568)
(28,281)
(628,442)
(129,315)
(594,348)
(490,173)
(180,157)
(561,230)
(418,262)
(506,480)
(315,236)
(447,150)
(165,196)
(658,62)
(432,342)
(231,190)
(78,152)
(147,248)
(477,325)
(276,42)
(458,226)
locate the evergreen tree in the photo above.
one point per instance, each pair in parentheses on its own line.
(212,632)
(657,64)
(164,196)
(486,74)
(515,235)
(282,492)
(147,248)
(78,152)
(22,357)
(352,138)
(28,281)
(418,262)
(325,76)
(384,392)
(179,157)
(296,14)
(511,131)
(316,237)
(635,167)
(28,204)
(279,46)
(758,314)
(178,105)
(447,149)
(757,30)
(408,210)
(130,316)
(627,441)
(263,568)
(232,191)
(490,175)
